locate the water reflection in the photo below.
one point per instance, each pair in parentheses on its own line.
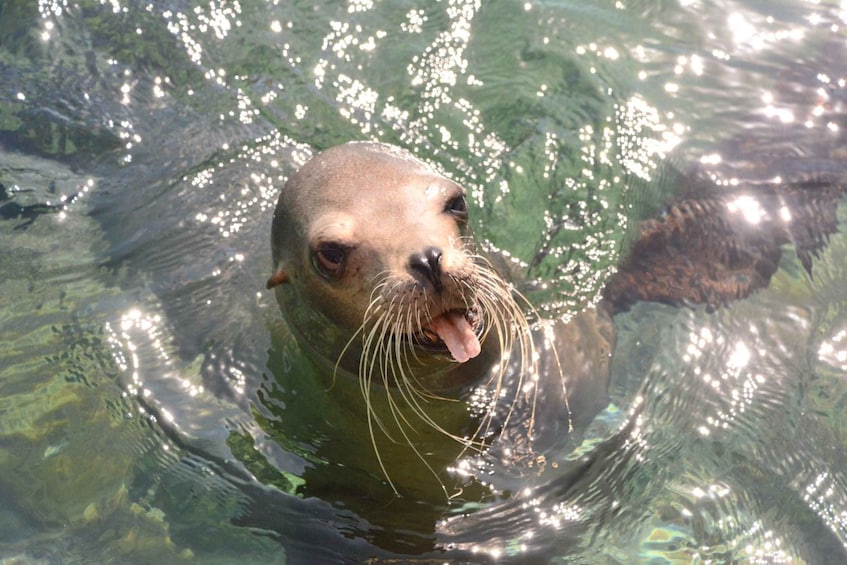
(831,353)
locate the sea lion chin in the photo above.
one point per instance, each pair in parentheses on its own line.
(377,272)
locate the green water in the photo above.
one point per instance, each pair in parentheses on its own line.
(153,407)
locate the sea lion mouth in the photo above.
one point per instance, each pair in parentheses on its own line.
(455,332)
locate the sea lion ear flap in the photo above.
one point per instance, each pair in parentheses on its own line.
(277,278)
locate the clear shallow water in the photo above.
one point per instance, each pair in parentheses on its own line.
(152,406)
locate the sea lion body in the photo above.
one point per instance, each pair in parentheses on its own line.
(377,273)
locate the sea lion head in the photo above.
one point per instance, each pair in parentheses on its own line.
(377,271)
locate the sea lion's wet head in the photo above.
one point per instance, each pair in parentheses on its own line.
(377,272)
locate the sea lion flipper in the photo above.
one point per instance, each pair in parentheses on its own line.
(704,251)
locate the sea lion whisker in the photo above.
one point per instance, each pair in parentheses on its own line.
(411,328)
(367,362)
(493,302)
(496,378)
(411,394)
(407,375)
(379,285)
(403,385)
(410,388)
(344,349)
(377,337)
(421,413)
(419,389)
(557,361)
(385,274)
(466,244)
(389,373)
(427,308)
(396,370)
(373,319)
(370,420)
(409,441)
(369,350)
(508,310)
(384,344)
(410,346)
(379,293)
(528,369)
(414,329)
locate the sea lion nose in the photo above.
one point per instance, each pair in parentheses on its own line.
(427,265)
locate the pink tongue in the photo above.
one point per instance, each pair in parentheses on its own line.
(455,331)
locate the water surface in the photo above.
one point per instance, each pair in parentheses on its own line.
(153,406)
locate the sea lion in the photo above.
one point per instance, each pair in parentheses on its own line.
(377,272)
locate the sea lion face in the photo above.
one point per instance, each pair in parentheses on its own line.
(374,251)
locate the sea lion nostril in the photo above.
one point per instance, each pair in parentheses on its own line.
(433,255)
(428,265)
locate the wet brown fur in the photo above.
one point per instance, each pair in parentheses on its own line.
(699,251)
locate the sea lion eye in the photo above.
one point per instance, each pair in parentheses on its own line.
(458,206)
(329,259)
